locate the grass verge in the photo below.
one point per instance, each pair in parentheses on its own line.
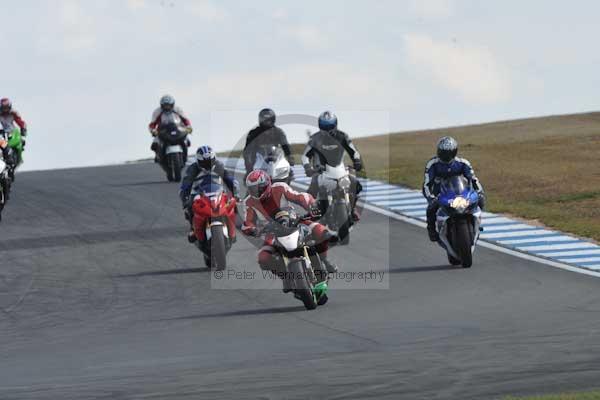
(564,396)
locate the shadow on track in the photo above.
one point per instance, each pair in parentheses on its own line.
(264,311)
(163,272)
(425,269)
(90,238)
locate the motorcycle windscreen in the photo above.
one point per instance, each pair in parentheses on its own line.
(454,186)
(289,242)
(270,153)
(209,184)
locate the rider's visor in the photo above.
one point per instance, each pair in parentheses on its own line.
(257,190)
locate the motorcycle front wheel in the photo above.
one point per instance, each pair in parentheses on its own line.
(174,167)
(218,249)
(462,242)
(303,290)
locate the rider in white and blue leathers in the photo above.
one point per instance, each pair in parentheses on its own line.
(446,164)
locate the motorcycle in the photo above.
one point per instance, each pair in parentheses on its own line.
(458,220)
(15,141)
(334,199)
(173,147)
(214,220)
(5,183)
(271,159)
(303,270)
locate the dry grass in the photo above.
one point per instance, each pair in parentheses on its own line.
(564,396)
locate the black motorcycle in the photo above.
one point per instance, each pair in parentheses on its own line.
(173,150)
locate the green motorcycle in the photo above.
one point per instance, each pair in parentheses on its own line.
(15,142)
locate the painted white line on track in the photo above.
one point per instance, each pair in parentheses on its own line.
(567,246)
(515,227)
(529,232)
(580,260)
(554,238)
(565,253)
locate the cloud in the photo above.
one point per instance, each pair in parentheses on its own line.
(76,27)
(135,5)
(208,11)
(308,36)
(432,9)
(471,71)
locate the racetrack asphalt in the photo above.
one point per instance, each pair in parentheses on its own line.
(101,297)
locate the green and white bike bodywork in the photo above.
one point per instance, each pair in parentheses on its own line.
(15,142)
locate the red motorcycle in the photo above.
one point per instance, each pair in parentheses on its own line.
(214,220)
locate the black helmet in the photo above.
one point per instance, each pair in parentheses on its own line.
(266,118)
(205,157)
(167,103)
(447,148)
(327,121)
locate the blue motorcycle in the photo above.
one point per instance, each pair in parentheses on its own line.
(458,220)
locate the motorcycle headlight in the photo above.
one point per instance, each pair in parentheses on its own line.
(344,183)
(460,204)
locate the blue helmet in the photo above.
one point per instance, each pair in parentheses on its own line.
(205,156)
(327,121)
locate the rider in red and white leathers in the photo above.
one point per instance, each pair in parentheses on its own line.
(162,115)
(267,199)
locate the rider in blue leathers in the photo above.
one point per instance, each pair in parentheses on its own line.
(206,164)
(446,165)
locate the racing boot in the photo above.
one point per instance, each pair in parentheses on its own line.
(191,237)
(329,266)
(433,234)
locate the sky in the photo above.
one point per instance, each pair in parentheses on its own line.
(86,75)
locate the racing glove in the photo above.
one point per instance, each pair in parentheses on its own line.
(315,211)
(308,170)
(291,160)
(358,164)
(23,131)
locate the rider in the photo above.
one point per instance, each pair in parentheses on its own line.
(9,117)
(446,165)
(206,163)
(266,133)
(328,144)
(267,199)
(167,106)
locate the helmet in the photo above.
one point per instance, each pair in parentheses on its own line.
(327,121)
(167,103)
(5,106)
(205,157)
(447,147)
(266,118)
(258,184)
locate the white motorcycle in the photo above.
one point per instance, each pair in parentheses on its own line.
(334,189)
(5,183)
(271,159)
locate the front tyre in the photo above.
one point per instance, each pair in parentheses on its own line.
(463,241)
(302,289)
(174,167)
(342,220)
(218,250)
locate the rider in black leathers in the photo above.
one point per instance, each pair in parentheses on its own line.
(328,146)
(266,133)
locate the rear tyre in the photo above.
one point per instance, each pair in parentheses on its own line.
(303,290)
(463,240)
(342,219)
(218,253)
